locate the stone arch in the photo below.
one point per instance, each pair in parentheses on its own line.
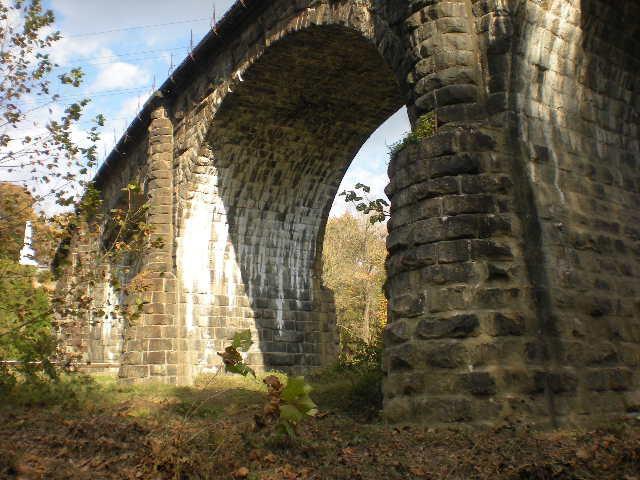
(264,177)
(512,293)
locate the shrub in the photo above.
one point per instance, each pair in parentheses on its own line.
(25,326)
(354,384)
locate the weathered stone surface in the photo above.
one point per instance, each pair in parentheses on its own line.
(513,241)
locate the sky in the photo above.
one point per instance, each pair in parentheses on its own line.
(126,48)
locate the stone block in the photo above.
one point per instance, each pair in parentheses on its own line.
(479,383)
(460,226)
(486,183)
(397,332)
(449,354)
(458,326)
(454,165)
(447,299)
(454,251)
(490,249)
(407,305)
(556,382)
(505,325)
(445,409)
(158,370)
(160,344)
(420,256)
(155,357)
(134,371)
(448,274)
(455,205)
(273,360)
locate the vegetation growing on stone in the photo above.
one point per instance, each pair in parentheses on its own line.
(426,126)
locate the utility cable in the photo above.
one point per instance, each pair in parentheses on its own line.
(138,27)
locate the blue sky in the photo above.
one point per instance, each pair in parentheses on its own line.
(123,62)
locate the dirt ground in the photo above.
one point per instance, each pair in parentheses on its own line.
(159,432)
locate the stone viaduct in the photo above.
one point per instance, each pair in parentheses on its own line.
(514,240)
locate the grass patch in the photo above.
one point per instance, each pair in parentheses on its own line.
(156,431)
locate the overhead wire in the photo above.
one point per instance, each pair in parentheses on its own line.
(139,55)
(138,27)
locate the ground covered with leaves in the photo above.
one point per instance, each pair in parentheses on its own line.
(101,430)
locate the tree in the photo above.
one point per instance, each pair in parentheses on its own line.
(38,133)
(16,208)
(45,156)
(25,324)
(353,267)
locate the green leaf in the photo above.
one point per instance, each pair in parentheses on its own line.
(291,414)
(295,387)
(287,428)
(242,340)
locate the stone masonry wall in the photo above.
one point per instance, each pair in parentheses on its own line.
(576,88)
(543,324)
(93,328)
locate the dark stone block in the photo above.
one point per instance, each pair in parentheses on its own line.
(536,352)
(491,225)
(454,165)
(447,355)
(479,383)
(288,336)
(497,274)
(600,307)
(404,357)
(557,382)
(438,145)
(460,326)
(453,94)
(428,231)
(620,379)
(485,184)
(396,332)
(508,325)
(461,226)
(476,141)
(455,205)
(453,252)
(448,273)
(279,360)
(420,256)
(597,381)
(496,298)
(408,305)
(442,186)
(491,250)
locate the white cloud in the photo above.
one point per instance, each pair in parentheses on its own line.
(120,75)
(67,51)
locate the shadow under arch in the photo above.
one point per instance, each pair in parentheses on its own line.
(272,161)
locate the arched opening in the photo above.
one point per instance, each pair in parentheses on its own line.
(273,160)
